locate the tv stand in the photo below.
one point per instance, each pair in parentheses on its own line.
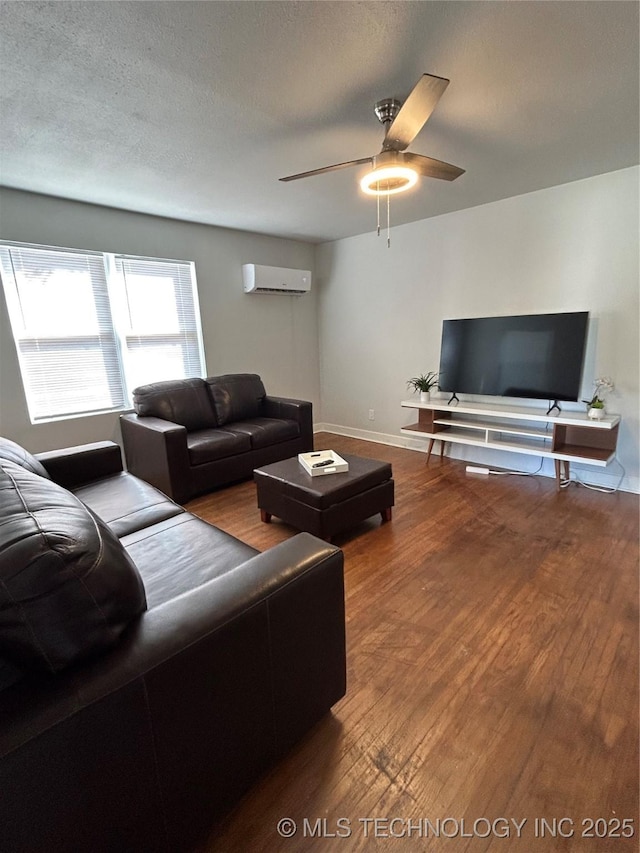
(555,405)
(566,437)
(453,397)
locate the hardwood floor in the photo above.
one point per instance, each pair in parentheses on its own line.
(492,642)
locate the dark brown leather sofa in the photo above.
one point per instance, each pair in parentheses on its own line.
(189,436)
(152,667)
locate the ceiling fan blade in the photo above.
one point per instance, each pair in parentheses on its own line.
(414,112)
(430,168)
(328,169)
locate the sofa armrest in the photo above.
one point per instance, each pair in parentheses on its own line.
(200,695)
(286,407)
(74,466)
(156,451)
(171,629)
(165,631)
(300,411)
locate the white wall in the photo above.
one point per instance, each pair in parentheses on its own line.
(275,336)
(568,248)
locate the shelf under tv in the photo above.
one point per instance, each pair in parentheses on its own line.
(564,437)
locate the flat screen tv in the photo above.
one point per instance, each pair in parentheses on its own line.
(538,356)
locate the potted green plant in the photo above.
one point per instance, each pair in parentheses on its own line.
(423,383)
(595,406)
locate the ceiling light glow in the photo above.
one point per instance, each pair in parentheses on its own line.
(388,180)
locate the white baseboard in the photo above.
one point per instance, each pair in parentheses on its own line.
(497,459)
(368,435)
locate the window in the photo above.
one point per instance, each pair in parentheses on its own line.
(89,327)
(161,328)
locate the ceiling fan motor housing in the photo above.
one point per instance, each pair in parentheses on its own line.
(387,109)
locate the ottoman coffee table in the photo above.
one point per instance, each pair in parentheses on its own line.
(325,505)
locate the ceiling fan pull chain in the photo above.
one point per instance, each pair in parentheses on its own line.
(388,222)
(378,206)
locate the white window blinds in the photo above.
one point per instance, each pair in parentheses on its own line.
(90,327)
(159,328)
(61,320)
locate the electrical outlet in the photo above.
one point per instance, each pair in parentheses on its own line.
(372,415)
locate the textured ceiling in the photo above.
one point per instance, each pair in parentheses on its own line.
(194,110)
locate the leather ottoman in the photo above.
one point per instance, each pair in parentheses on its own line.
(325,505)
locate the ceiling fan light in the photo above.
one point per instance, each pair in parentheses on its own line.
(388,180)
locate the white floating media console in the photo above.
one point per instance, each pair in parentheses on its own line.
(565,437)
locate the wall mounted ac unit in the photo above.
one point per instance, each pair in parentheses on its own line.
(261,279)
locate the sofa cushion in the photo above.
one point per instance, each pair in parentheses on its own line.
(263,432)
(181,401)
(68,589)
(236,396)
(12,452)
(126,503)
(209,445)
(182,553)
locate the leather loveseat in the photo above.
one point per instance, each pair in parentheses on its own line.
(151,666)
(189,436)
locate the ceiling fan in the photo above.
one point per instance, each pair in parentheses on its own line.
(393,170)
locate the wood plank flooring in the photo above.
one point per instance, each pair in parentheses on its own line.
(492,642)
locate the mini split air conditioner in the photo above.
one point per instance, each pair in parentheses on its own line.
(260,279)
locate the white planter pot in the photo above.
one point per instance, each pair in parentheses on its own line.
(595,414)
(425,396)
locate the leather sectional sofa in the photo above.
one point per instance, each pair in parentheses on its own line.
(152,667)
(189,436)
